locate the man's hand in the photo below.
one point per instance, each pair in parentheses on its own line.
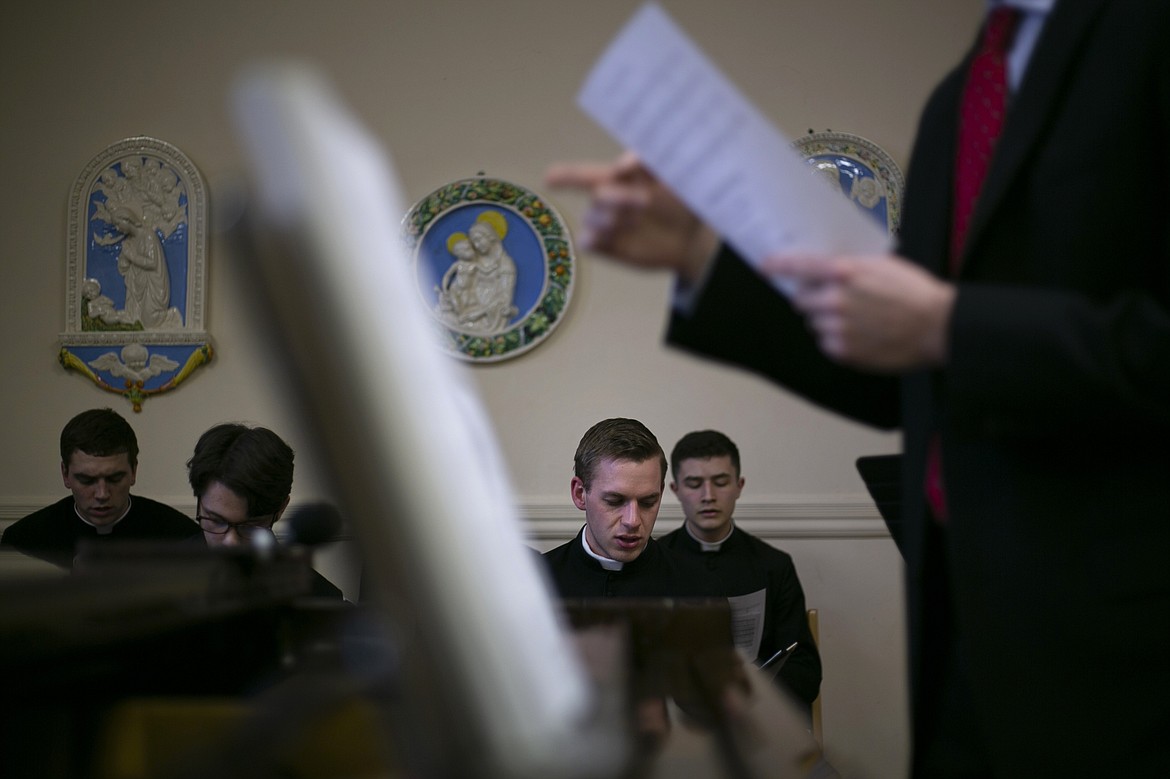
(878,313)
(633,218)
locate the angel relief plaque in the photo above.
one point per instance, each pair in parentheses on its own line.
(136,270)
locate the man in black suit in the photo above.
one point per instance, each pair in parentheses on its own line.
(99,465)
(1029,369)
(756,576)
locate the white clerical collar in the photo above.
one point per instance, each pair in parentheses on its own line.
(709,546)
(606,563)
(103,530)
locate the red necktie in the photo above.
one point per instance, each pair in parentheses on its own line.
(981,118)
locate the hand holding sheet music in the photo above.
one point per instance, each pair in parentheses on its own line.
(657,94)
(705,164)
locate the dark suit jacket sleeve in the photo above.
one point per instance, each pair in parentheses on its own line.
(740,319)
(1038,362)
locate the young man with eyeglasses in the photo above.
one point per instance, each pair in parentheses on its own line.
(99,465)
(242,479)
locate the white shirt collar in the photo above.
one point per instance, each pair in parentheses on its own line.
(104,530)
(606,563)
(1035,14)
(709,546)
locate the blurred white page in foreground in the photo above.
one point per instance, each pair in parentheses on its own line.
(411,445)
(657,94)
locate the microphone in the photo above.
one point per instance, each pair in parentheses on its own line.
(313,523)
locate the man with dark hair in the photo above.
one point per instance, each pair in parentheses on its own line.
(707,481)
(99,464)
(242,480)
(618,479)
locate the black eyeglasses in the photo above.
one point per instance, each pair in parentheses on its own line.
(245,529)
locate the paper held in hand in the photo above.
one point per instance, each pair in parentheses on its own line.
(657,94)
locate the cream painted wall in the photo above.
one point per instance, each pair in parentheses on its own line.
(454,88)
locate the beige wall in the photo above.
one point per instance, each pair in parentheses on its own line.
(454,88)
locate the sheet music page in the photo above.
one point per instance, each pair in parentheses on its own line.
(747,621)
(657,94)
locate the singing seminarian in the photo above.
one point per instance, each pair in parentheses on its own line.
(619,474)
(99,465)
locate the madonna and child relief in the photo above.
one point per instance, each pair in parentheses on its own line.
(493,264)
(476,292)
